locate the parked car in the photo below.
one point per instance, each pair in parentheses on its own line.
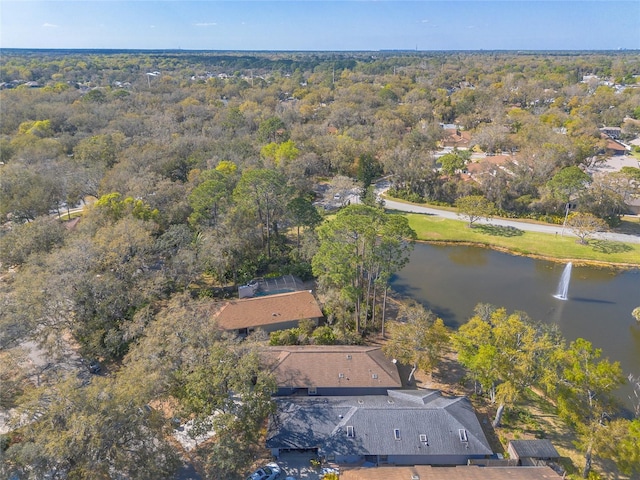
(270,471)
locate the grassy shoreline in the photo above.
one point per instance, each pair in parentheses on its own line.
(532,244)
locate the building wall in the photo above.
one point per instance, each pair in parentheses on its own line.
(333,391)
(408,459)
(428,459)
(276,326)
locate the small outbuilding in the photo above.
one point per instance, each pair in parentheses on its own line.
(533,452)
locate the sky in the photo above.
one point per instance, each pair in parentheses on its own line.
(307,25)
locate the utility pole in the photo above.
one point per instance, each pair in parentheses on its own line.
(566,214)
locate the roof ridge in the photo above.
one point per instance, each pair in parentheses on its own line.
(345,418)
(389,368)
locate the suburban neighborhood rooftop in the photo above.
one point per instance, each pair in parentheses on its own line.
(268,310)
(426,472)
(332,365)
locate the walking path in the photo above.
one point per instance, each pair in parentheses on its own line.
(522,225)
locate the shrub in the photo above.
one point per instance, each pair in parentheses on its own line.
(324,336)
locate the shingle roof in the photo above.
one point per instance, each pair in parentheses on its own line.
(268,310)
(425,472)
(455,136)
(449,423)
(541,448)
(613,145)
(486,163)
(332,366)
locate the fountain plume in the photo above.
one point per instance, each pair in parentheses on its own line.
(563,285)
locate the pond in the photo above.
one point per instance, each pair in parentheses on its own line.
(451,280)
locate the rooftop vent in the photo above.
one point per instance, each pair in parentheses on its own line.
(348,357)
(415,477)
(361,402)
(462,433)
(341,375)
(350,432)
(423,438)
(396,434)
(374,376)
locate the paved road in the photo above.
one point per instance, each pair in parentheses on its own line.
(531,227)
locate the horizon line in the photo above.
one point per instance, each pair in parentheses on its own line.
(389,50)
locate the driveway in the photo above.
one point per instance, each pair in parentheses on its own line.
(298,466)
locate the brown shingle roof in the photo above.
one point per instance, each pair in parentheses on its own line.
(268,310)
(487,163)
(615,146)
(321,366)
(456,137)
(425,472)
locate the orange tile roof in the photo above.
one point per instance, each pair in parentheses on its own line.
(268,310)
(425,472)
(298,366)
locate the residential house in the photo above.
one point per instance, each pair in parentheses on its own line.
(455,137)
(614,148)
(425,472)
(269,313)
(331,370)
(488,164)
(404,427)
(612,132)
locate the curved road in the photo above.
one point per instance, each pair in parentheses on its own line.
(532,227)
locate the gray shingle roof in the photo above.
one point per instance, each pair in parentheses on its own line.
(302,422)
(542,448)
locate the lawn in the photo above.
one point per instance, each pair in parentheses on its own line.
(558,247)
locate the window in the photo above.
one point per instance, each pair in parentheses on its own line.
(396,434)
(350,432)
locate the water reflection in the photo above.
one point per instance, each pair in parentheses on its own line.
(468,256)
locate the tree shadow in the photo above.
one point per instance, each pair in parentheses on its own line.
(607,246)
(499,230)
